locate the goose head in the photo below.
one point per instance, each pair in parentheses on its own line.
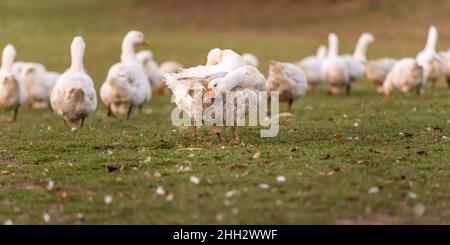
(135,37)
(8,56)
(129,41)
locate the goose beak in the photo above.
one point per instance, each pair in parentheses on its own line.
(210,91)
(146,42)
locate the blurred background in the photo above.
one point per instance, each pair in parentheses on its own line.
(284,30)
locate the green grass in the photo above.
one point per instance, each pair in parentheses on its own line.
(329,164)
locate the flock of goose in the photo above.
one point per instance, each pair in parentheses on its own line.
(129,83)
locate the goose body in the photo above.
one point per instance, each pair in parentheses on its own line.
(250,59)
(334,70)
(445,61)
(38,83)
(429,59)
(222,67)
(217,61)
(405,75)
(145,57)
(356,62)
(311,66)
(288,79)
(73,97)
(377,71)
(12,91)
(168,67)
(126,85)
(246,80)
(183,81)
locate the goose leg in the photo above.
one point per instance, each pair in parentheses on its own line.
(219,137)
(235,137)
(129,111)
(348,89)
(269,106)
(109,113)
(290,104)
(194,129)
(140,109)
(448,82)
(418,93)
(82,122)
(15,113)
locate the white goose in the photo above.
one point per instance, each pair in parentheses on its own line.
(184,82)
(445,58)
(38,83)
(288,79)
(405,75)
(126,85)
(334,71)
(377,71)
(311,65)
(356,62)
(150,66)
(12,91)
(245,79)
(73,98)
(429,59)
(250,59)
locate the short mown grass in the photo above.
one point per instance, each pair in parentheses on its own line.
(332,151)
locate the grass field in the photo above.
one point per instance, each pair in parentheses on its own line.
(394,167)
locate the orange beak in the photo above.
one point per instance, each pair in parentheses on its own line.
(146,42)
(210,91)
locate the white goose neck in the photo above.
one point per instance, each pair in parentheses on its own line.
(361,47)
(333,45)
(432,39)
(77,53)
(128,52)
(8,56)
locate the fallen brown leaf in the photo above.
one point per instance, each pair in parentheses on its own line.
(422,153)
(363,162)
(329,157)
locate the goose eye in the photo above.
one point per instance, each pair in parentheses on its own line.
(215,85)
